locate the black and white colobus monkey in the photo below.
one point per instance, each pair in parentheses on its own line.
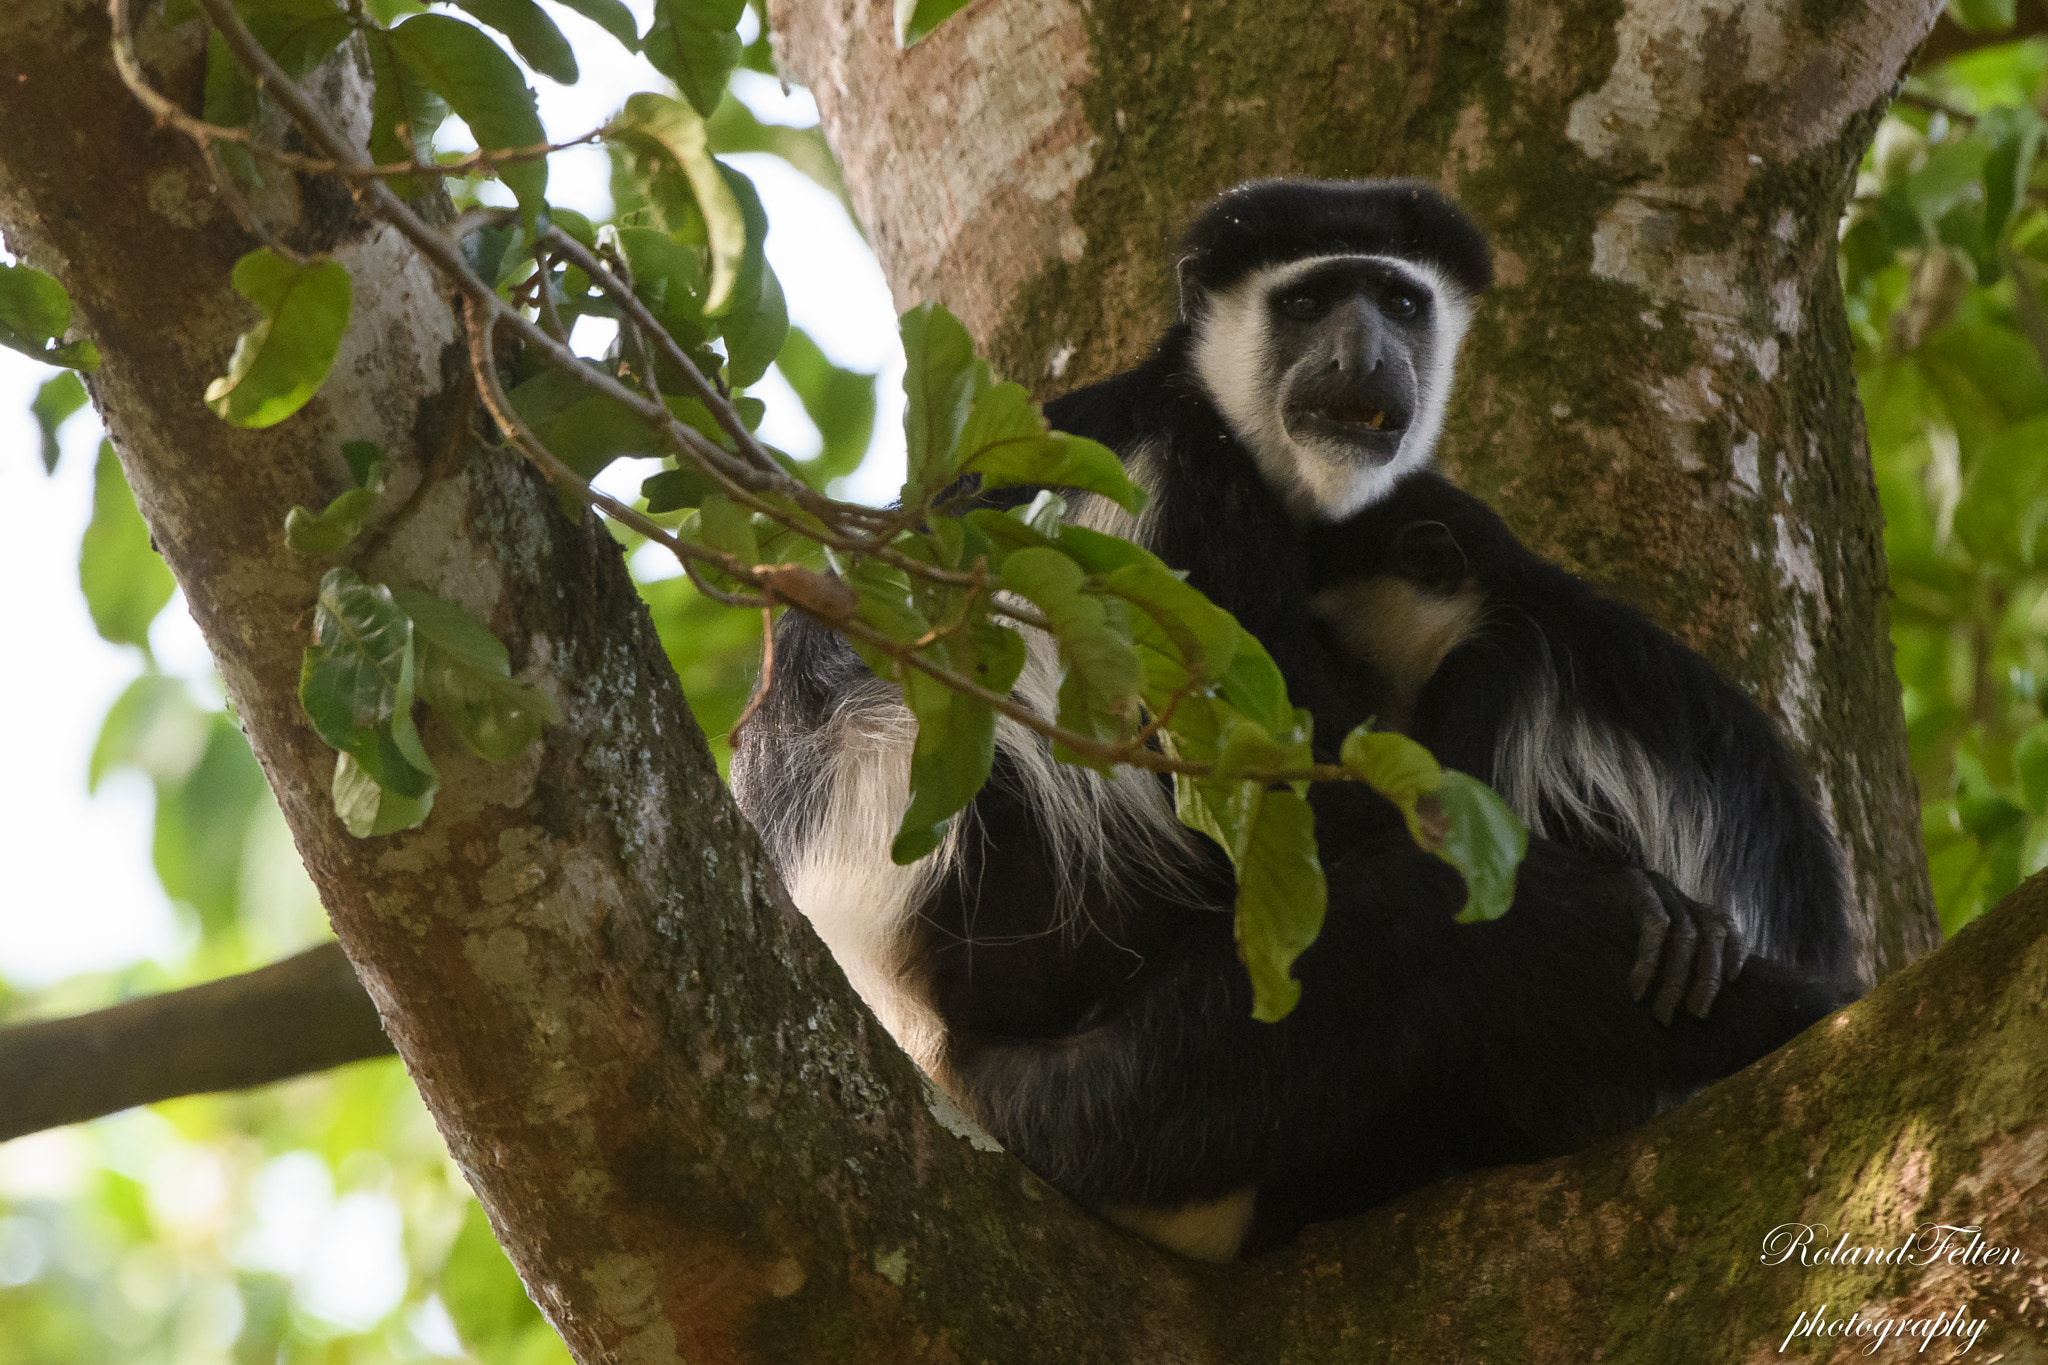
(1331,361)
(1065,966)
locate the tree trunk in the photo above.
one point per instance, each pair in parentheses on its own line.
(693,1141)
(1657,394)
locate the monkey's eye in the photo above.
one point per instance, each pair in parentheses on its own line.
(1399,303)
(1302,306)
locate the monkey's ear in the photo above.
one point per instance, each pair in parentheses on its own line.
(1427,555)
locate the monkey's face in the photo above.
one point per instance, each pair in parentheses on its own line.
(1334,373)
(1348,339)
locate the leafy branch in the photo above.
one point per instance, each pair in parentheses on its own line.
(931,594)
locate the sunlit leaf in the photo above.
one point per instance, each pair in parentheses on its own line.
(282,361)
(675,131)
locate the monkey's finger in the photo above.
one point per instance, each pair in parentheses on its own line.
(1653,923)
(1679,947)
(1734,953)
(1706,971)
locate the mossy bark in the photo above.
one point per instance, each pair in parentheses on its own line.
(1658,392)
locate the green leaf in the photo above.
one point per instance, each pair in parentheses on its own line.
(464,67)
(659,126)
(917,18)
(611,16)
(732,127)
(753,337)
(488,1304)
(361,655)
(840,403)
(405,113)
(326,533)
(747,283)
(668,278)
(229,100)
(1099,693)
(942,379)
(594,431)
(1006,441)
(1485,841)
(534,35)
(368,809)
(153,728)
(1281,897)
(2015,135)
(1405,773)
(60,396)
(2004,500)
(1984,16)
(672,490)
(723,525)
(363,459)
(1202,636)
(955,733)
(34,312)
(1450,814)
(696,44)
(203,821)
(356,684)
(282,361)
(2030,761)
(465,674)
(300,34)
(124,579)
(451,629)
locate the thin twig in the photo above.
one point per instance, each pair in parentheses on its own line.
(550,316)
(767,678)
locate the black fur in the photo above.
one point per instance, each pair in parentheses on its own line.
(1266,222)
(1608,662)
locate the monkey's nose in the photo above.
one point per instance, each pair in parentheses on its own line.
(1357,352)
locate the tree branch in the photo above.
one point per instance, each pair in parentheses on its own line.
(1951,39)
(306,1013)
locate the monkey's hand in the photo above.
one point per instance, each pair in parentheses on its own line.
(1687,949)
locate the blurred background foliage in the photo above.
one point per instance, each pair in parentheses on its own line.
(1944,251)
(323,1221)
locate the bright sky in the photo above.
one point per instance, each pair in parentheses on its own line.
(76,889)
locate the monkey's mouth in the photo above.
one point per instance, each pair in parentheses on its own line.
(1357,415)
(1369,427)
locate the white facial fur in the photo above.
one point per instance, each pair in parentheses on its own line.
(1318,479)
